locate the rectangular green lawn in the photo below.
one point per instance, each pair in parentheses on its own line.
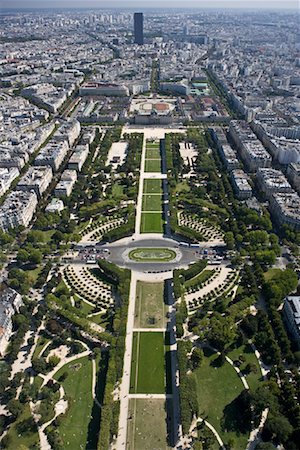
(153,165)
(152,144)
(152,153)
(152,223)
(152,186)
(147,426)
(152,203)
(148,363)
(149,306)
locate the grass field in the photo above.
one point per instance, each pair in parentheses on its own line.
(147,427)
(152,153)
(42,341)
(22,441)
(153,165)
(152,223)
(117,190)
(152,202)
(182,187)
(245,352)
(152,186)
(148,363)
(271,273)
(152,144)
(217,388)
(73,428)
(149,305)
(200,278)
(34,274)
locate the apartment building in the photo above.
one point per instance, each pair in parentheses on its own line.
(285,208)
(271,180)
(18,209)
(36,179)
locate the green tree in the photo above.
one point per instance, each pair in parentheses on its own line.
(229,239)
(22,256)
(35,257)
(278,427)
(222,331)
(197,357)
(15,407)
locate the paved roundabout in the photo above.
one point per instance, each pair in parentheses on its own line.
(152,255)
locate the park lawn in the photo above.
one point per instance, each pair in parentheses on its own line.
(271,273)
(117,190)
(100,319)
(42,341)
(148,363)
(151,223)
(152,153)
(34,274)
(47,235)
(147,427)
(73,428)
(217,388)
(152,202)
(152,144)
(200,278)
(153,165)
(80,227)
(85,308)
(38,381)
(182,187)
(22,441)
(253,379)
(152,186)
(149,305)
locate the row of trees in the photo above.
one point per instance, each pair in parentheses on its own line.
(110,408)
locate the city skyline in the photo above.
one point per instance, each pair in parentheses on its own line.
(203,4)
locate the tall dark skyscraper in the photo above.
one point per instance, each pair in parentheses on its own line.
(139,28)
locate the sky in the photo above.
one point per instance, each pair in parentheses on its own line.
(144,4)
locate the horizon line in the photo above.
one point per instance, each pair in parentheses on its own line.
(166,8)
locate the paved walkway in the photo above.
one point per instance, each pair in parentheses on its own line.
(125,383)
(151,396)
(139,203)
(159,330)
(24,359)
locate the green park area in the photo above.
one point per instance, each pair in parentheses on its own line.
(148,363)
(73,429)
(147,427)
(152,202)
(152,222)
(19,437)
(152,144)
(245,358)
(152,153)
(202,277)
(152,186)
(218,388)
(152,255)
(149,306)
(153,165)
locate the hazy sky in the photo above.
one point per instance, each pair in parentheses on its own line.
(140,4)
